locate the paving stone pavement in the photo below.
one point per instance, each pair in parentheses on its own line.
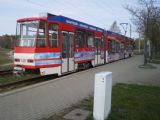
(77,114)
(45,99)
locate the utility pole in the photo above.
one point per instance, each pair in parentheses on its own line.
(130,30)
(125,28)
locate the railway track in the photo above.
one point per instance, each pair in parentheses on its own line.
(21,83)
(5,72)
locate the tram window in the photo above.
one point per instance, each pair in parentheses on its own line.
(71,47)
(98,44)
(102,43)
(26,33)
(53,35)
(41,42)
(122,46)
(113,46)
(80,38)
(117,46)
(90,40)
(64,45)
(110,46)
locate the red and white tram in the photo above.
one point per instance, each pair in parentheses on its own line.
(58,45)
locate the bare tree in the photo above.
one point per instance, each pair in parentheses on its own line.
(146,17)
(115,28)
(6,41)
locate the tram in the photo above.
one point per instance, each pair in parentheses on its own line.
(54,44)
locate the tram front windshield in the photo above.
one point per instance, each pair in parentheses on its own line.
(26,33)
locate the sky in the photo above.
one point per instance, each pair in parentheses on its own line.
(100,13)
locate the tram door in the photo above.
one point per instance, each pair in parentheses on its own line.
(98,51)
(67,51)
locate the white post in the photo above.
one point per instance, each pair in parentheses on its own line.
(149,48)
(102,95)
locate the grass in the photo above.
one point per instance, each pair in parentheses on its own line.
(6,67)
(129,102)
(135,102)
(155,61)
(11,78)
(4,58)
(157,56)
(136,52)
(147,66)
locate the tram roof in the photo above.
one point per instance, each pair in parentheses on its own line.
(60,18)
(63,19)
(110,33)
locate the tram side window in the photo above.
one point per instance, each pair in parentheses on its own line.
(117,46)
(53,35)
(98,45)
(127,46)
(122,46)
(130,47)
(41,42)
(102,43)
(90,40)
(64,44)
(110,46)
(71,47)
(80,38)
(113,46)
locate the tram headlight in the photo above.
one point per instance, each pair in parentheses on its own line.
(17,60)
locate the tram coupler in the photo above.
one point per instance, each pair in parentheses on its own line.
(18,71)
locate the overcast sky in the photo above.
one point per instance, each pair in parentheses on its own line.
(100,13)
